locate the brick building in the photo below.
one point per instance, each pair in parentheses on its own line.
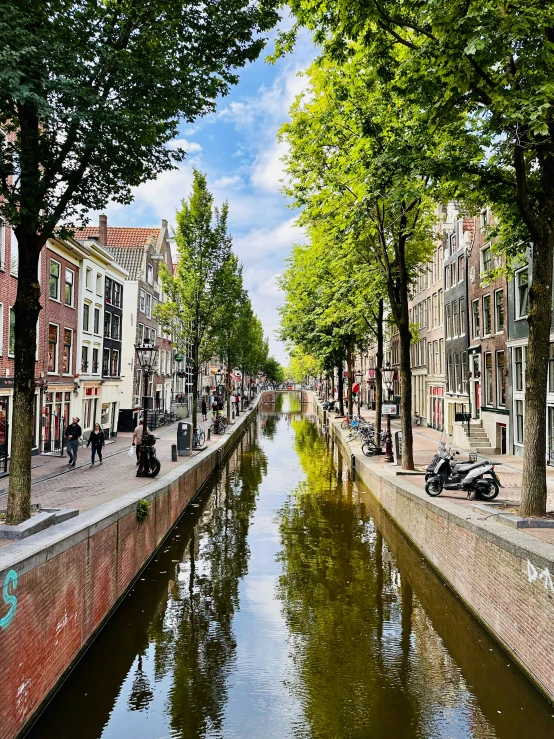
(139,251)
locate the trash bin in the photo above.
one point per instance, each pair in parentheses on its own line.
(184,439)
(397,447)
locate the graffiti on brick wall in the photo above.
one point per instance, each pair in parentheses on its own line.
(9,596)
(543,576)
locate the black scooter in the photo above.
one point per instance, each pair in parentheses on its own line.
(446,473)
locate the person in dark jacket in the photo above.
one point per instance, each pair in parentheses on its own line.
(72,434)
(96,441)
(204,408)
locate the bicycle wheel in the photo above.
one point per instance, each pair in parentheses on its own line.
(345,424)
(201,438)
(368,449)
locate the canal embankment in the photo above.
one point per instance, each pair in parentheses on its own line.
(504,576)
(60,586)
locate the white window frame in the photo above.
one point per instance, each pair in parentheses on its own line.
(483,268)
(95,348)
(489,332)
(99,282)
(149,274)
(475,334)
(142,300)
(10,311)
(2,329)
(70,363)
(88,278)
(14,250)
(56,358)
(97,311)
(148,305)
(54,261)
(72,283)
(521,316)
(496,329)
(87,329)
(2,245)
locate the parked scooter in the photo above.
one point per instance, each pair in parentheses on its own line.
(446,473)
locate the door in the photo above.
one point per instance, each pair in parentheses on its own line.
(477,399)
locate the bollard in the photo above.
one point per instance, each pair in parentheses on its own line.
(174,452)
(209,434)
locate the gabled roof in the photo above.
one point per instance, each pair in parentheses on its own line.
(119,236)
(129,259)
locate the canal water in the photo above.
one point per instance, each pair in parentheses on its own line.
(286,604)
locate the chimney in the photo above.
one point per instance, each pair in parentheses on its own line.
(164,223)
(103,230)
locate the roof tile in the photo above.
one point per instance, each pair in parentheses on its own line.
(121,236)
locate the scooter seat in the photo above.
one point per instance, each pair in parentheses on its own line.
(466,467)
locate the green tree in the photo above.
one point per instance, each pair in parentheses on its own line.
(202,275)
(357,173)
(91,95)
(481,72)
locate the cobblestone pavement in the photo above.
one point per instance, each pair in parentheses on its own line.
(85,487)
(509,471)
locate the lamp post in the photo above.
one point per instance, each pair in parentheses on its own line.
(387,374)
(147,354)
(359,377)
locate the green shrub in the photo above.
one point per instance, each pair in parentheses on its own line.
(143,509)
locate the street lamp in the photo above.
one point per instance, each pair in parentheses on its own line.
(359,376)
(387,373)
(147,354)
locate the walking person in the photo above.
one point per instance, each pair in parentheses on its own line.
(96,440)
(204,409)
(214,408)
(137,437)
(237,402)
(72,434)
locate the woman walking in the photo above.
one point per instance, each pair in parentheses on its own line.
(96,441)
(204,409)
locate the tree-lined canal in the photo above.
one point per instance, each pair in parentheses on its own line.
(285,604)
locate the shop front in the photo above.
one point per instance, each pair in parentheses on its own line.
(56,415)
(436,407)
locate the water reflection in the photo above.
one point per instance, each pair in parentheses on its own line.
(286,604)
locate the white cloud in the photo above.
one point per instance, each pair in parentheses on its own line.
(191,147)
(259,243)
(229,181)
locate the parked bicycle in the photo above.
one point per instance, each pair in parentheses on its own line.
(198,438)
(416,420)
(219,425)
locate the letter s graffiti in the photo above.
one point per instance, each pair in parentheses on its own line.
(10,599)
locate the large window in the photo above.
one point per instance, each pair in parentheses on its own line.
(449,374)
(464,372)
(98,283)
(108,290)
(11,334)
(106,362)
(519,421)
(84,359)
(487,324)
(488,379)
(500,380)
(14,253)
(68,287)
(67,344)
(522,293)
(441,303)
(97,320)
(54,280)
(518,368)
(52,348)
(88,278)
(455,319)
(148,305)
(2,244)
(448,323)
(462,316)
(457,375)
(86,316)
(486,259)
(475,318)
(115,363)
(117,293)
(461,269)
(107,324)
(116,327)
(499,311)
(142,301)
(95,361)
(149,274)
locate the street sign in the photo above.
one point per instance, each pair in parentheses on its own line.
(389,409)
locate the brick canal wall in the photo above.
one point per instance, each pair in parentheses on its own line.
(505,577)
(58,587)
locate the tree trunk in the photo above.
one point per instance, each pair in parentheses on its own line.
(27,308)
(195,349)
(534,490)
(340,388)
(378,375)
(349,381)
(229,387)
(406,395)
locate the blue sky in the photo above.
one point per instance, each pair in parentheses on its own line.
(238,150)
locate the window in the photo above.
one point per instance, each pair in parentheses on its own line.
(453,274)
(487,327)
(86,312)
(115,363)
(499,311)
(430,365)
(488,379)
(14,252)
(449,372)
(2,244)
(447,278)
(457,376)
(148,305)
(486,259)
(117,293)
(107,325)
(435,311)
(142,301)
(116,327)
(522,293)
(440,307)
(551,369)
(518,367)
(475,317)
(484,219)
(98,284)
(455,319)
(94,361)
(67,343)
(149,274)
(11,335)
(462,316)
(106,362)
(84,359)
(461,268)
(500,380)
(140,333)
(519,421)
(108,290)
(464,372)
(88,279)
(441,356)
(52,348)
(68,290)
(54,280)
(97,320)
